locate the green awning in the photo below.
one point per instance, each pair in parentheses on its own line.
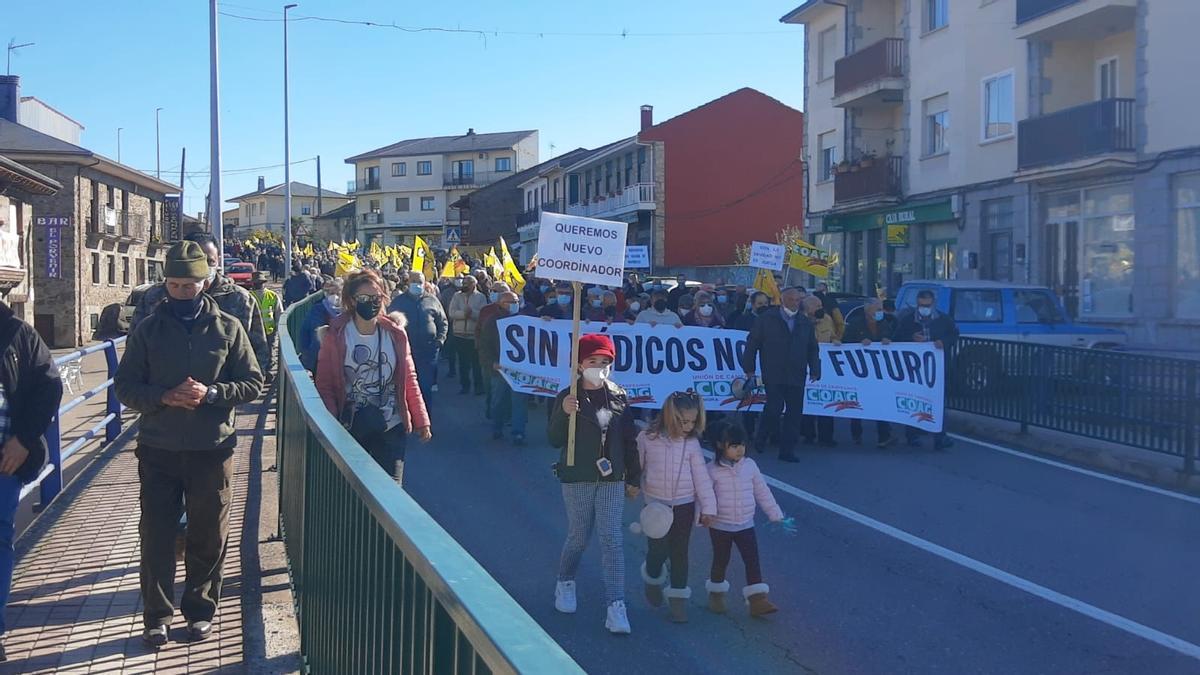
(912,213)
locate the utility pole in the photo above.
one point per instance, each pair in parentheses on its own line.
(287,151)
(119,144)
(13,46)
(179,215)
(214,99)
(319,209)
(157,147)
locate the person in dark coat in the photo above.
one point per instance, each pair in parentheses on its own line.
(869,325)
(321,314)
(30,393)
(926,324)
(787,344)
(427,329)
(744,319)
(676,293)
(298,286)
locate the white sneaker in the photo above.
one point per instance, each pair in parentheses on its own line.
(564,597)
(617,622)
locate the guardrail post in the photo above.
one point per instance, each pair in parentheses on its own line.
(52,484)
(113,406)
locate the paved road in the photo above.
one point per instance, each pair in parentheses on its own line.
(855,599)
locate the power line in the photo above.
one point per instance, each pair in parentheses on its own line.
(227,172)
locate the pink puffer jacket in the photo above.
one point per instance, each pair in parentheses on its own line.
(661,458)
(738,488)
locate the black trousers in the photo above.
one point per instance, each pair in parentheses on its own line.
(785,407)
(817,426)
(674,546)
(882,429)
(468,363)
(167,477)
(747,546)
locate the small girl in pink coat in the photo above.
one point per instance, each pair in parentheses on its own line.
(739,487)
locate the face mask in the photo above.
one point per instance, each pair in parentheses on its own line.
(212,274)
(415,290)
(596,375)
(332,298)
(760,310)
(458,283)
(368,310)
(635,306)
(492,296)
(544,288)
(820,314)
(597,303)
(513,308)
(706,310)
(879,316)
(789,313)
(660,305)
(563,299)
(184,309)
(925,311)
(722,299)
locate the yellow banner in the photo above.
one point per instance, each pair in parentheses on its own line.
(805,257)
(512,275)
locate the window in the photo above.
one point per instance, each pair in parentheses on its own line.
(1036,307)
(372,177)
(596,186)
(996,219)
(155,273)
(95,268)
(141,271)
(587,185)
(998,106)
(424,168)
(399,168)
(937,125)
(554,194)
(937,14)
(463,169)
(426,203)
(401,203)
(125,270)
(997,214)
(827,52)
(608,175)
(504,164)
(573,188)
(628,168)
(1106,262)
(1187,219)
(112,270)
(976,305)
(306,210)
(827,142)
(1106,78)
(373,206)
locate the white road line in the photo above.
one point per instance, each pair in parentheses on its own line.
(1078,469)
(1115,620)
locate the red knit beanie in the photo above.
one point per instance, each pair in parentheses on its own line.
(596,344)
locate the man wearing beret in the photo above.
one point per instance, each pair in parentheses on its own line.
(185,369)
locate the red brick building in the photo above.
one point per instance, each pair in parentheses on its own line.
(729,171)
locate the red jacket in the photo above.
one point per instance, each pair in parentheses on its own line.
(331,375)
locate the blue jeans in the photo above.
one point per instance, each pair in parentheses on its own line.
(10,493)
(506,404)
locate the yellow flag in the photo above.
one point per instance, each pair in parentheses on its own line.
(808,258)
(512,275)
(346,264)
(493,263)
(331,246)
(422,258)
(765,282)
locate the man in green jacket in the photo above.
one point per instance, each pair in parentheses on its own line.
(185,369)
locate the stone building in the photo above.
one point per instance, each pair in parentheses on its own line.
(18,185)
(93,240)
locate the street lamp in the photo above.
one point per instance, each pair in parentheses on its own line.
(157,147)
(119,144)
(287,153)
(13,46)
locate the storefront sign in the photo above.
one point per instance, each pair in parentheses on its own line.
(766,256)
(588,250)
(171,225)
(901,382)
(53,226)
(897,235)
(907,214)
(808,258)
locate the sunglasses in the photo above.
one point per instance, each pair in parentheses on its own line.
(366,298)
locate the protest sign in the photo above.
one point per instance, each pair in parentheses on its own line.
(900,382)
(637,257)
(588,250)
(808,258)
(766,256)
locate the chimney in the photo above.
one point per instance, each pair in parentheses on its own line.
(10,97)
(262,183)
(471,131)
(647,117)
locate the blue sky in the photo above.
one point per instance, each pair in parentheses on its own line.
(354,88)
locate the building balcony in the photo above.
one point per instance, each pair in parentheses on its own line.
(458,180)
(871,76)
(120,225)
(1091,130)
(878,180)
(1073,19)
(358,186)
(372,218)
(635,197)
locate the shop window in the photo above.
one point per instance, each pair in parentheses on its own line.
(1187,262)
(1106,260)
(976,306)
(940,258)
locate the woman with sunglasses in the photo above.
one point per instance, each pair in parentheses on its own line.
(366,377)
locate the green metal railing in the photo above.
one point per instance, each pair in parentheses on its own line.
(1149,402)
(379,586)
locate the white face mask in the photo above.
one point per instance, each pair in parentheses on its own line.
(706,310)
(789,313)
(596,376)
(333,298)
(635,306)
(925,311)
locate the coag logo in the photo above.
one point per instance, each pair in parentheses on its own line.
(714,388)
(836,400)
(916,408)
(636,395)
(729,391)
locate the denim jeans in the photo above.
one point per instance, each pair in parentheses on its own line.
(506,404)
(10,492)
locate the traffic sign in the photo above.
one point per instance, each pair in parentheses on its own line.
(452,236)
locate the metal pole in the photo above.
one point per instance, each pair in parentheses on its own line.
(319,211)
(179,216)
(119,144)
(157,147)
(214,100)
(287,153)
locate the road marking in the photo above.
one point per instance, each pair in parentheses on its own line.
(1078,469)
(1104,616)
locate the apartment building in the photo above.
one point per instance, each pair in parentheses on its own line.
(264,209)
(1031,141)
(408,188)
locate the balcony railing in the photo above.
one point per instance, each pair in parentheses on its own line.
(461,179)
(372,218)
(364,185)
(1082,131)
(880,179)
(1028,10)
(119,223)
(880,60)
(635,197)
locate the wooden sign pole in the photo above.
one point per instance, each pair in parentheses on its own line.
(575,287)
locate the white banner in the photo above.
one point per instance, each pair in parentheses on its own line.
(766,256)
(574,248)
(900,382)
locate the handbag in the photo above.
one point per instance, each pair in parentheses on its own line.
(656,518)
(365,422)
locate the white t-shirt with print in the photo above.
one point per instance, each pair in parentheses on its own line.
(363,371)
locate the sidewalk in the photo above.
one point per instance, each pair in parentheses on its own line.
(75,604)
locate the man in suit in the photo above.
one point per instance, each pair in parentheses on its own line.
(787,344)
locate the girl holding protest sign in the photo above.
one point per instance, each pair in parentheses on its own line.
(605,470)
(674,478)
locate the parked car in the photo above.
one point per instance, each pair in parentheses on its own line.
(241,273)
(131,303)
(229,260)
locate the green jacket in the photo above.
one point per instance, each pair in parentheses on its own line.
(161,353)
(620,442)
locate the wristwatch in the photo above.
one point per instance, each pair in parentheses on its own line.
(210,396)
